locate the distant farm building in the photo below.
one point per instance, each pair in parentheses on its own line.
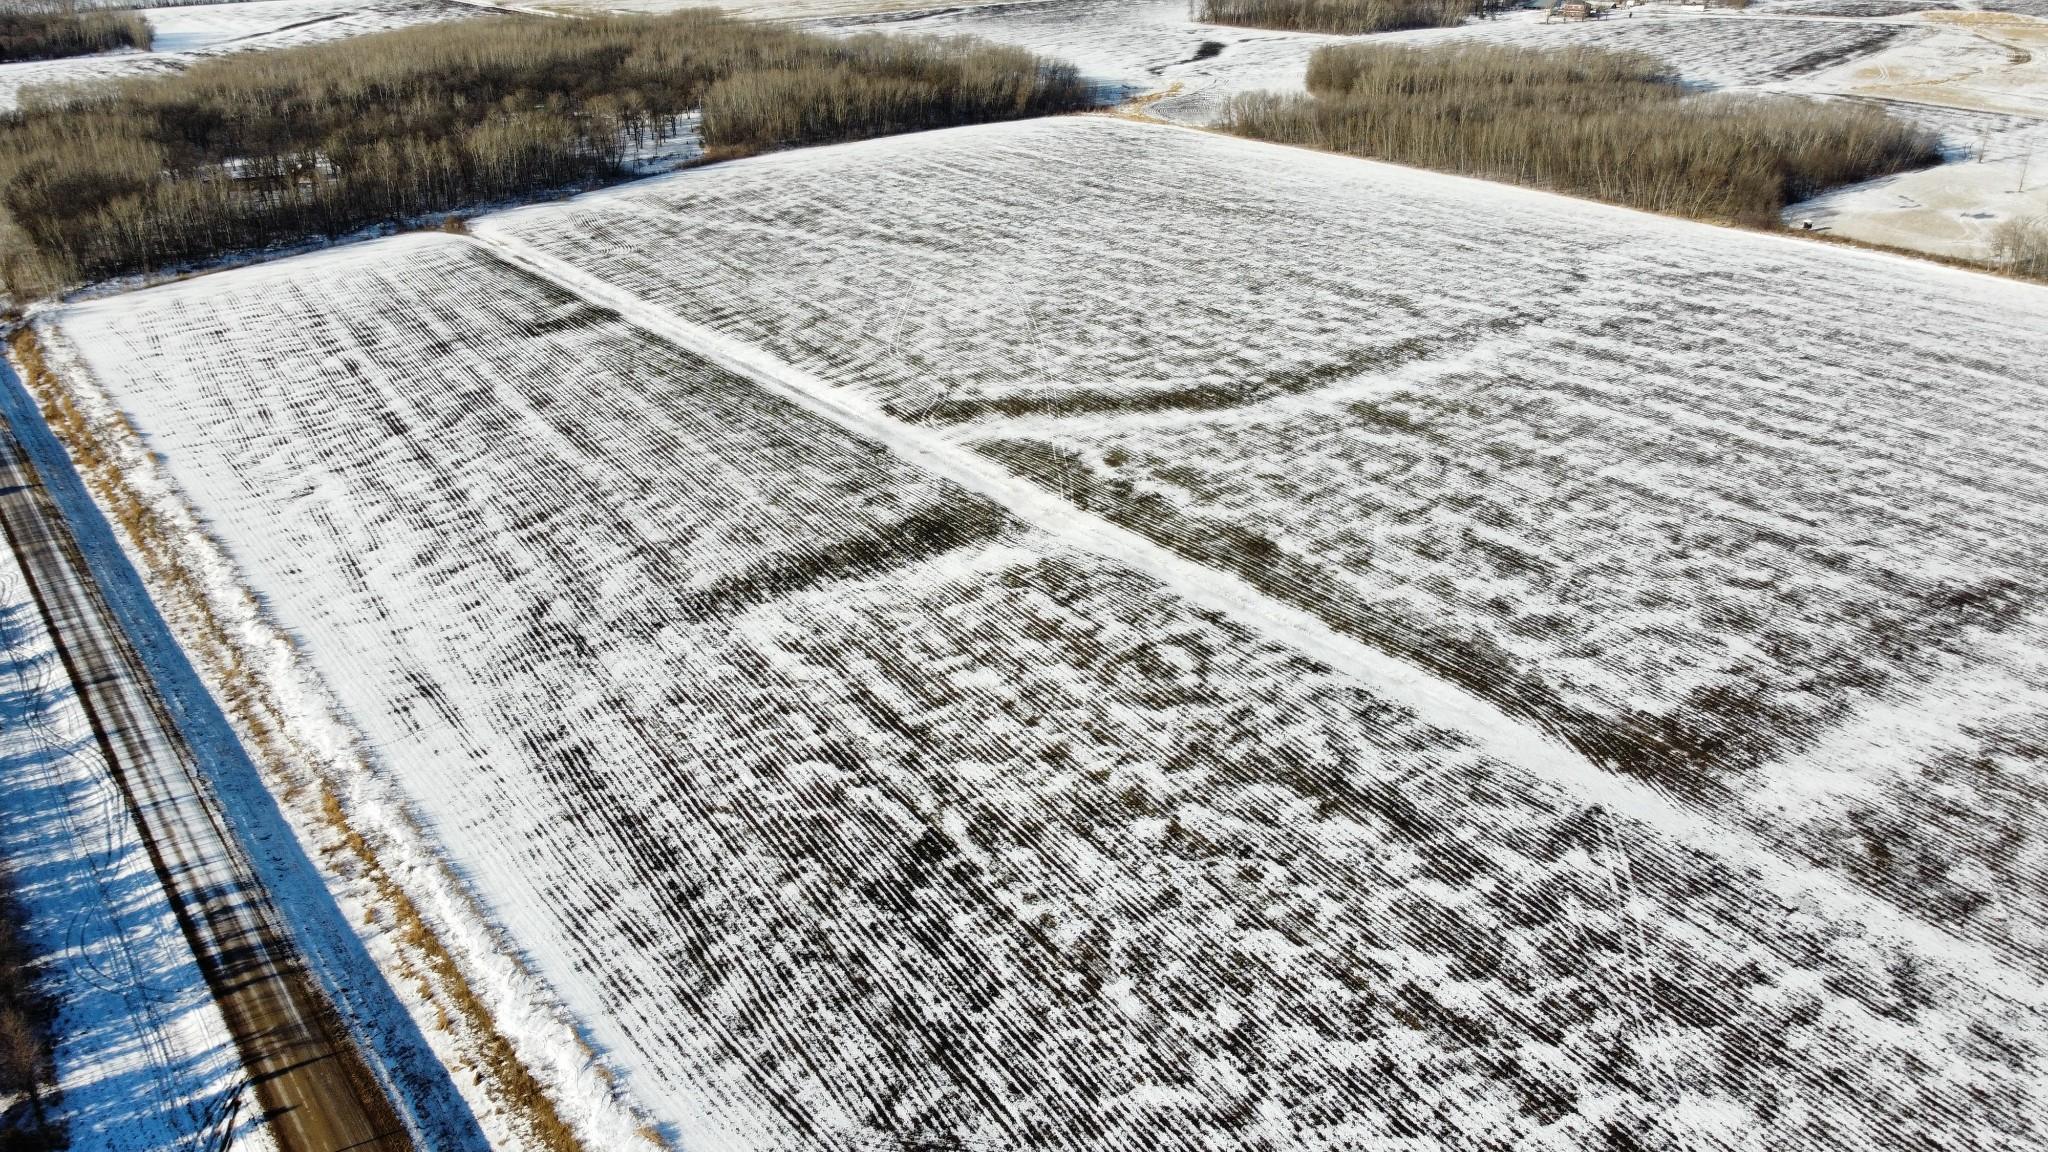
(1573,10)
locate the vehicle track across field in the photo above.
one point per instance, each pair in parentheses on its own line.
(305,1071)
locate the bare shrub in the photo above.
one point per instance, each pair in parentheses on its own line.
(279,147)
(2020,246)
(1341,17)
(1615,126)
(50,31)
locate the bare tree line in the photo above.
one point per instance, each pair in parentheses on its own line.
(266,148)
(1614,126)
(1341,17)
(35,30)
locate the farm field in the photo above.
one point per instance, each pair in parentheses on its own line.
(188,33)
(1152,45)
(1626,501)
(199,27)
(1978,61)
(1276,689)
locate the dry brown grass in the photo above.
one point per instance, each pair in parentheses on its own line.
(259,720)
(1140,107)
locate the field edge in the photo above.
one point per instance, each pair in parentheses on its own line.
(486,1015)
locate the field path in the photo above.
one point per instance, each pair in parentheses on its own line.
(300,1063)
(1435,700)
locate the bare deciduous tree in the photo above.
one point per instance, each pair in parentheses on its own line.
(1342,17)
(265,148)
(2020,246)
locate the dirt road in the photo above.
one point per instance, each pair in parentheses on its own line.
(305,1071)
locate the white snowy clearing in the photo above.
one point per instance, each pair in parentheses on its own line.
(1979,78)
(662,548)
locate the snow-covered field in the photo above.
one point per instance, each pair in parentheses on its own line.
(1980,80)
(187,34)
(1799,548)
(211,26)
(1975,77)
(1978,61)
(1999,172)
(1150,45)
(791,10)
(1480,669)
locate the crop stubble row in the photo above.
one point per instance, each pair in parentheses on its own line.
(1695,500)
(830,829)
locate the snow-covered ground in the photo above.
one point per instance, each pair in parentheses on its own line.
(1976,77)
(1321,335)
(1243,783)
(1976,61)
(792,10)
(1151,45)
(187,34)
(372,909)
(144,1061)
(1949,210)
(199,27)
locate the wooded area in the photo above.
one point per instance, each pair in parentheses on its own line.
(1340,17)
(261,149)
(1614,126)
(46,32)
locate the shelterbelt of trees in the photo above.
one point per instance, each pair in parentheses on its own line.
(1610,125)
(283,147)
(1339,17)
(48,29)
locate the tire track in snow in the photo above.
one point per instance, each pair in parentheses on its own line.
(1437,701)
(301,1063)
